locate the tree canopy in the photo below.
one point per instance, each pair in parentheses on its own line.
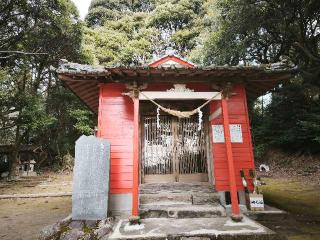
(225,32)
(133,32)
(35,34)
(264,32)
(35,108)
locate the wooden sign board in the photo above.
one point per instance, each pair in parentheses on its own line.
(255,202)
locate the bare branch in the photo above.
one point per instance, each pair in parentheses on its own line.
(7,127)
(7,56)
(307,52)
(24,53)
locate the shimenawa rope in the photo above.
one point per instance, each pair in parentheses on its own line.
(179,114)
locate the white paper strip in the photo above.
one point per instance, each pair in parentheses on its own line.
(235,133)
(218,134)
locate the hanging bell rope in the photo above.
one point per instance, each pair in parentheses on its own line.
(180,114)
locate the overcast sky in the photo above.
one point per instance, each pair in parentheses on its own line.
(83,6)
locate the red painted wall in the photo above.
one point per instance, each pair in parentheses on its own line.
(242,152)
(115,123)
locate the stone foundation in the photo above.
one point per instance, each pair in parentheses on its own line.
(68,229)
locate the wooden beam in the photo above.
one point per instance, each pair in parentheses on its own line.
(231,168)
(183,78)
(135,189)
(93,100)
(163,95)
(94,110)
(215,114)
(85,85)
(86,89)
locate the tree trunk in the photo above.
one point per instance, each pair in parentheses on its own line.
(14,171)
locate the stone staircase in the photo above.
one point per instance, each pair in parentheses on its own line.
(179,200)
(182,211)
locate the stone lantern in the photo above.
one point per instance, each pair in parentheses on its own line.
(31,168)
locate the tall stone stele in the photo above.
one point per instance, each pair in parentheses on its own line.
(91,179)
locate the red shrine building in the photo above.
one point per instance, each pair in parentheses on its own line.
(151,145)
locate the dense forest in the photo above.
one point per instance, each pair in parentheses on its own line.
(35,34)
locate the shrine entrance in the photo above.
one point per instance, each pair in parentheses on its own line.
(173,149)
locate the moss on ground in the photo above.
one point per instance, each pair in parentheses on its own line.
(303,237)
(293,196)
(299,199)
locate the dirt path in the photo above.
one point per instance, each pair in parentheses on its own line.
(42,184)
(22,219)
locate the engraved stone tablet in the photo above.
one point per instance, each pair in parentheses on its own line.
(91,179)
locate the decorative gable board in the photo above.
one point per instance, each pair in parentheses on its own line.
(171,60)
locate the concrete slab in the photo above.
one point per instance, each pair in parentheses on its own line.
(269,210)
(269,214)
(243,209)
(181,211)
(193,228)
(191,197)
(183,188)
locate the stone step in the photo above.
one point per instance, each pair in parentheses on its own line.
(193,228)
(180,211)
(156,188)
(187,197)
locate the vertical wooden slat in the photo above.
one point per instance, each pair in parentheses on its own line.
(154,156)
(169,129)
(146,156)
(135,189)
(185,154)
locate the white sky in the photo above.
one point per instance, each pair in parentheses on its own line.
(83,6)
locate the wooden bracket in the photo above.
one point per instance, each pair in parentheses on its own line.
(226,90)
(135,88)
(216,87)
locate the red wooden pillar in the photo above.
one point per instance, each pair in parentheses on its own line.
(135,188)
(231,169)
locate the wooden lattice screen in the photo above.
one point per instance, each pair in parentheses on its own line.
(174,149)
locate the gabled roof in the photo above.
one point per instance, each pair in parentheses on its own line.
(171,60)
(84,80)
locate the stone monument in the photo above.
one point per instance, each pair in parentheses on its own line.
(91,179)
